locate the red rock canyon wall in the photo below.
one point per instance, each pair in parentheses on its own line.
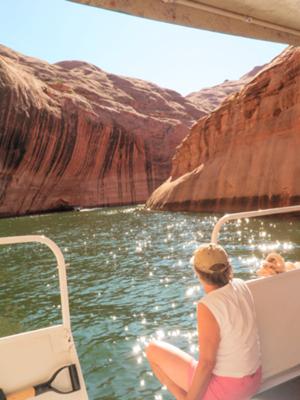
(72,135)
(244,155)
(210,98)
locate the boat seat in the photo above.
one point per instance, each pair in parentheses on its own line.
(277,303)
(31,358)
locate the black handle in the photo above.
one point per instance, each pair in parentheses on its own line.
(46,386)
(2,395)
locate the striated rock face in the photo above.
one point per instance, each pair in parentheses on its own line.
(244,155)
(211,98)
(72,135)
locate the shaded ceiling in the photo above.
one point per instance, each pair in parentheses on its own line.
(273,20)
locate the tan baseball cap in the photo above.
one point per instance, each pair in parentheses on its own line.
(209,255)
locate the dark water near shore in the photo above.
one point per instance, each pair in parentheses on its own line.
(129,281)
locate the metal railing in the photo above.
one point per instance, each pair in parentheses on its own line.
(249,214)
(62,275)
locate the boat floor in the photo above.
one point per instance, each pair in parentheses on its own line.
(286,391)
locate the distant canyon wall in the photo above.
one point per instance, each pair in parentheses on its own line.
(244,155)
(72,135)
(209,99)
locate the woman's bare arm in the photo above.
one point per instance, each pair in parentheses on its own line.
(209,338)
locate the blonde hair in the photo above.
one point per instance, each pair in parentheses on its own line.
(276,261)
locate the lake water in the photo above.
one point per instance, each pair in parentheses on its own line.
(129,281)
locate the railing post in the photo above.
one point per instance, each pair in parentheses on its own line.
(249,214)
(60,265)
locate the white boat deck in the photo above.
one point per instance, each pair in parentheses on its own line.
(286,391)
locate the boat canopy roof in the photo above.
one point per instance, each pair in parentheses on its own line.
(271,20)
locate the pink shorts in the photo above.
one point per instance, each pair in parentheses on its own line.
(228,388)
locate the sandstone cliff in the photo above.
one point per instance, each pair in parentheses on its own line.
(211,98)
(72,135)
(244,155)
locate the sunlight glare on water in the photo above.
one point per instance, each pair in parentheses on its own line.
(130,281)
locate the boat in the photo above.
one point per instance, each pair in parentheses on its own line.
(44,361)
(272,20)
(51,350)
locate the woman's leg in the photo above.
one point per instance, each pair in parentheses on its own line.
(169,363)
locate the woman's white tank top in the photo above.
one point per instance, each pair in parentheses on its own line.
(239,349)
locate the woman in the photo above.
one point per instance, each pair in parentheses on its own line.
(229,350)
(274,264)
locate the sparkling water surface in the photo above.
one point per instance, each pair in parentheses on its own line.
(129,281)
